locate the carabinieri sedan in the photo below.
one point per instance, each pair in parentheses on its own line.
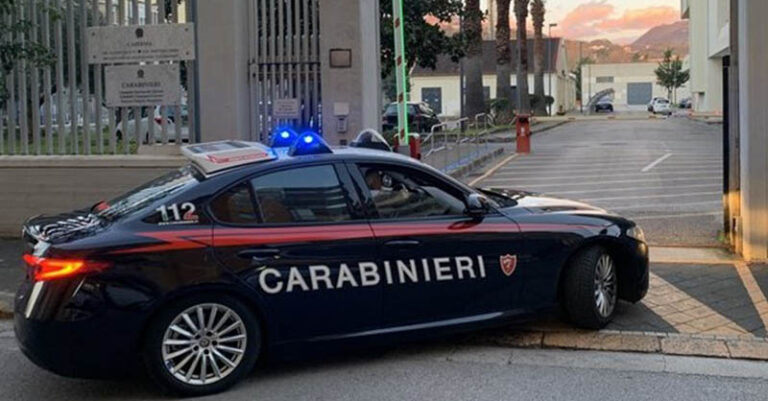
(252,250)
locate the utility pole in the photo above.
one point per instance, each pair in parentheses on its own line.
(400,73)
(549,65)
(581,77)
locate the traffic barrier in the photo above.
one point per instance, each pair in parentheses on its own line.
(523,131)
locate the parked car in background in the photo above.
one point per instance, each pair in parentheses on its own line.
(157,120)
(604,106)
(662,106)
(652,102)
(686,103)
(421,117)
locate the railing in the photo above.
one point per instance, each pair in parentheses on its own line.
(449,144)
(59,107)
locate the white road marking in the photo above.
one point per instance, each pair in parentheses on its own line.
(753,289)
(557,185)
(607,172)
(613,189)
(666,205)
(656,162)
(675,216)
(653,196)
(493,170)
(7,294)
(602,176)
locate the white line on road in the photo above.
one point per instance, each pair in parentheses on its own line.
(753,289)
(675,216)
(613,189)
(558,185)
(656,163)
(602,176)
(608,172)
(645,206)
(493,170)
(655,196)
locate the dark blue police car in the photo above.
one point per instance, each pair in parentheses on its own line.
(252,249)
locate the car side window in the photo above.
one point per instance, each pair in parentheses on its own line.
(401,192)
(299,195)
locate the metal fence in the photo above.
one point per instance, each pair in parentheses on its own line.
(58,107)
(285,65)
(452,144)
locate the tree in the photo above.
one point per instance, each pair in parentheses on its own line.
(577,71)
(670,74)
(12,49)
(425,40)
(503,54)
(473,67)
(537,14)
(523,98)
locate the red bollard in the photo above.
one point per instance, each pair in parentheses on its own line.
(523,129)
(413,149)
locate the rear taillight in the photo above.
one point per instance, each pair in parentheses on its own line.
(52,269)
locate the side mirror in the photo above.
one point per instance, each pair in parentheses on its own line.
(477,205)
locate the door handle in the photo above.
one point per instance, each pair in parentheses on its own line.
(403,243)
(259,255)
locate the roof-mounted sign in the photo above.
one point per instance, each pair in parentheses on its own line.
(140,43)
(217,156)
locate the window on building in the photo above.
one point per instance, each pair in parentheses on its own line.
(434,98)
(604,80)
(487,93)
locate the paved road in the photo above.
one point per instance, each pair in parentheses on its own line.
(665,174)
(435,372)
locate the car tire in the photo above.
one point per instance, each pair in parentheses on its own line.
(590,292)
(209,365)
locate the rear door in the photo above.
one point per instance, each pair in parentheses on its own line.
(297,236)
(438,263)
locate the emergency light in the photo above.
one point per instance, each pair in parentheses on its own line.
(283,138)
(309,143)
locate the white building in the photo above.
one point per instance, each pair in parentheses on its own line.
(709,44)
(441,87)
(634,84)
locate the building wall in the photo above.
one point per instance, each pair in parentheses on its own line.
(563,90)
(595,76)
(709,41)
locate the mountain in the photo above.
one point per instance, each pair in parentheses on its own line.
(658,39)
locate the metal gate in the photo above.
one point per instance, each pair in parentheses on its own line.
(639,93)
(58,107)
(284,65)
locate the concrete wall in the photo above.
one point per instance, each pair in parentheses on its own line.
(55,184)
(709,42)
(563,90)
(623,74)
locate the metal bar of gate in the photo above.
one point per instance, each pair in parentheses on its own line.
(263,70)
(280,52)
(151,113)
(191,85)
(97,86)
(137,111)
(315,63)
(12,109)
(60,112)
(47,90)
(112,134)
(290,41)
(35,80)
(124,110)
(178,121)
(71,77)
(23,93)
(305,54)
(84,78)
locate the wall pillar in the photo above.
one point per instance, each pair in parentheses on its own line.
(753,124)
(354,92)
(222,52)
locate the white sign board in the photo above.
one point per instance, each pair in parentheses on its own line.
(140,43)
(142,85)
(287,109)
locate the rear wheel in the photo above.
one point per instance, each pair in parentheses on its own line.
(591,288)
(202,345)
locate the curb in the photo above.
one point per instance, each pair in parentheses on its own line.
(723,347)
(6,311)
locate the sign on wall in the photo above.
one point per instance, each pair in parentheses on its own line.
(287,109)
(141,43)
(142,85)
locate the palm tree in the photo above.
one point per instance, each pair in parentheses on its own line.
(537,14)
(523,100)
(503,53)
(473,65)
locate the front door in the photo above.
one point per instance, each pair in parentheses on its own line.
(440,264)
(295,236)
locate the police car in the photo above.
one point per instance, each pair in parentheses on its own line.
(252,250)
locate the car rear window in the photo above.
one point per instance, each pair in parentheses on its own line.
(140,198)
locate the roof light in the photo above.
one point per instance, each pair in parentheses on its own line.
(309,143)
(371,139)
(283,137)
(51,269)
(216,156)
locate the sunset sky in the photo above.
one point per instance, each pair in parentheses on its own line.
(621,21)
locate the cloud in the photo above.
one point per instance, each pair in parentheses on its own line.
(598,18)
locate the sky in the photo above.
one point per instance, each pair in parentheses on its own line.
(621,21)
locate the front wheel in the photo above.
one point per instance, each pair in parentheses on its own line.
(591,288)
(202,345)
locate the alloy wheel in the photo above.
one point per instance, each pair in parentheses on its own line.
(605,286)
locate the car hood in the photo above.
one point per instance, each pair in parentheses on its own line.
(513,201)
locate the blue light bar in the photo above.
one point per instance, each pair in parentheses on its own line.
(309,143)
(283,137)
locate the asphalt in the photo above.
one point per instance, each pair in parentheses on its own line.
(444,371)
(665,174)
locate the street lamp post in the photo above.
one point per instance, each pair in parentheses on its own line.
(549,65)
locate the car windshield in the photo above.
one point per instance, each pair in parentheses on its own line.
(663,101)
(147,194)
(391,109)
